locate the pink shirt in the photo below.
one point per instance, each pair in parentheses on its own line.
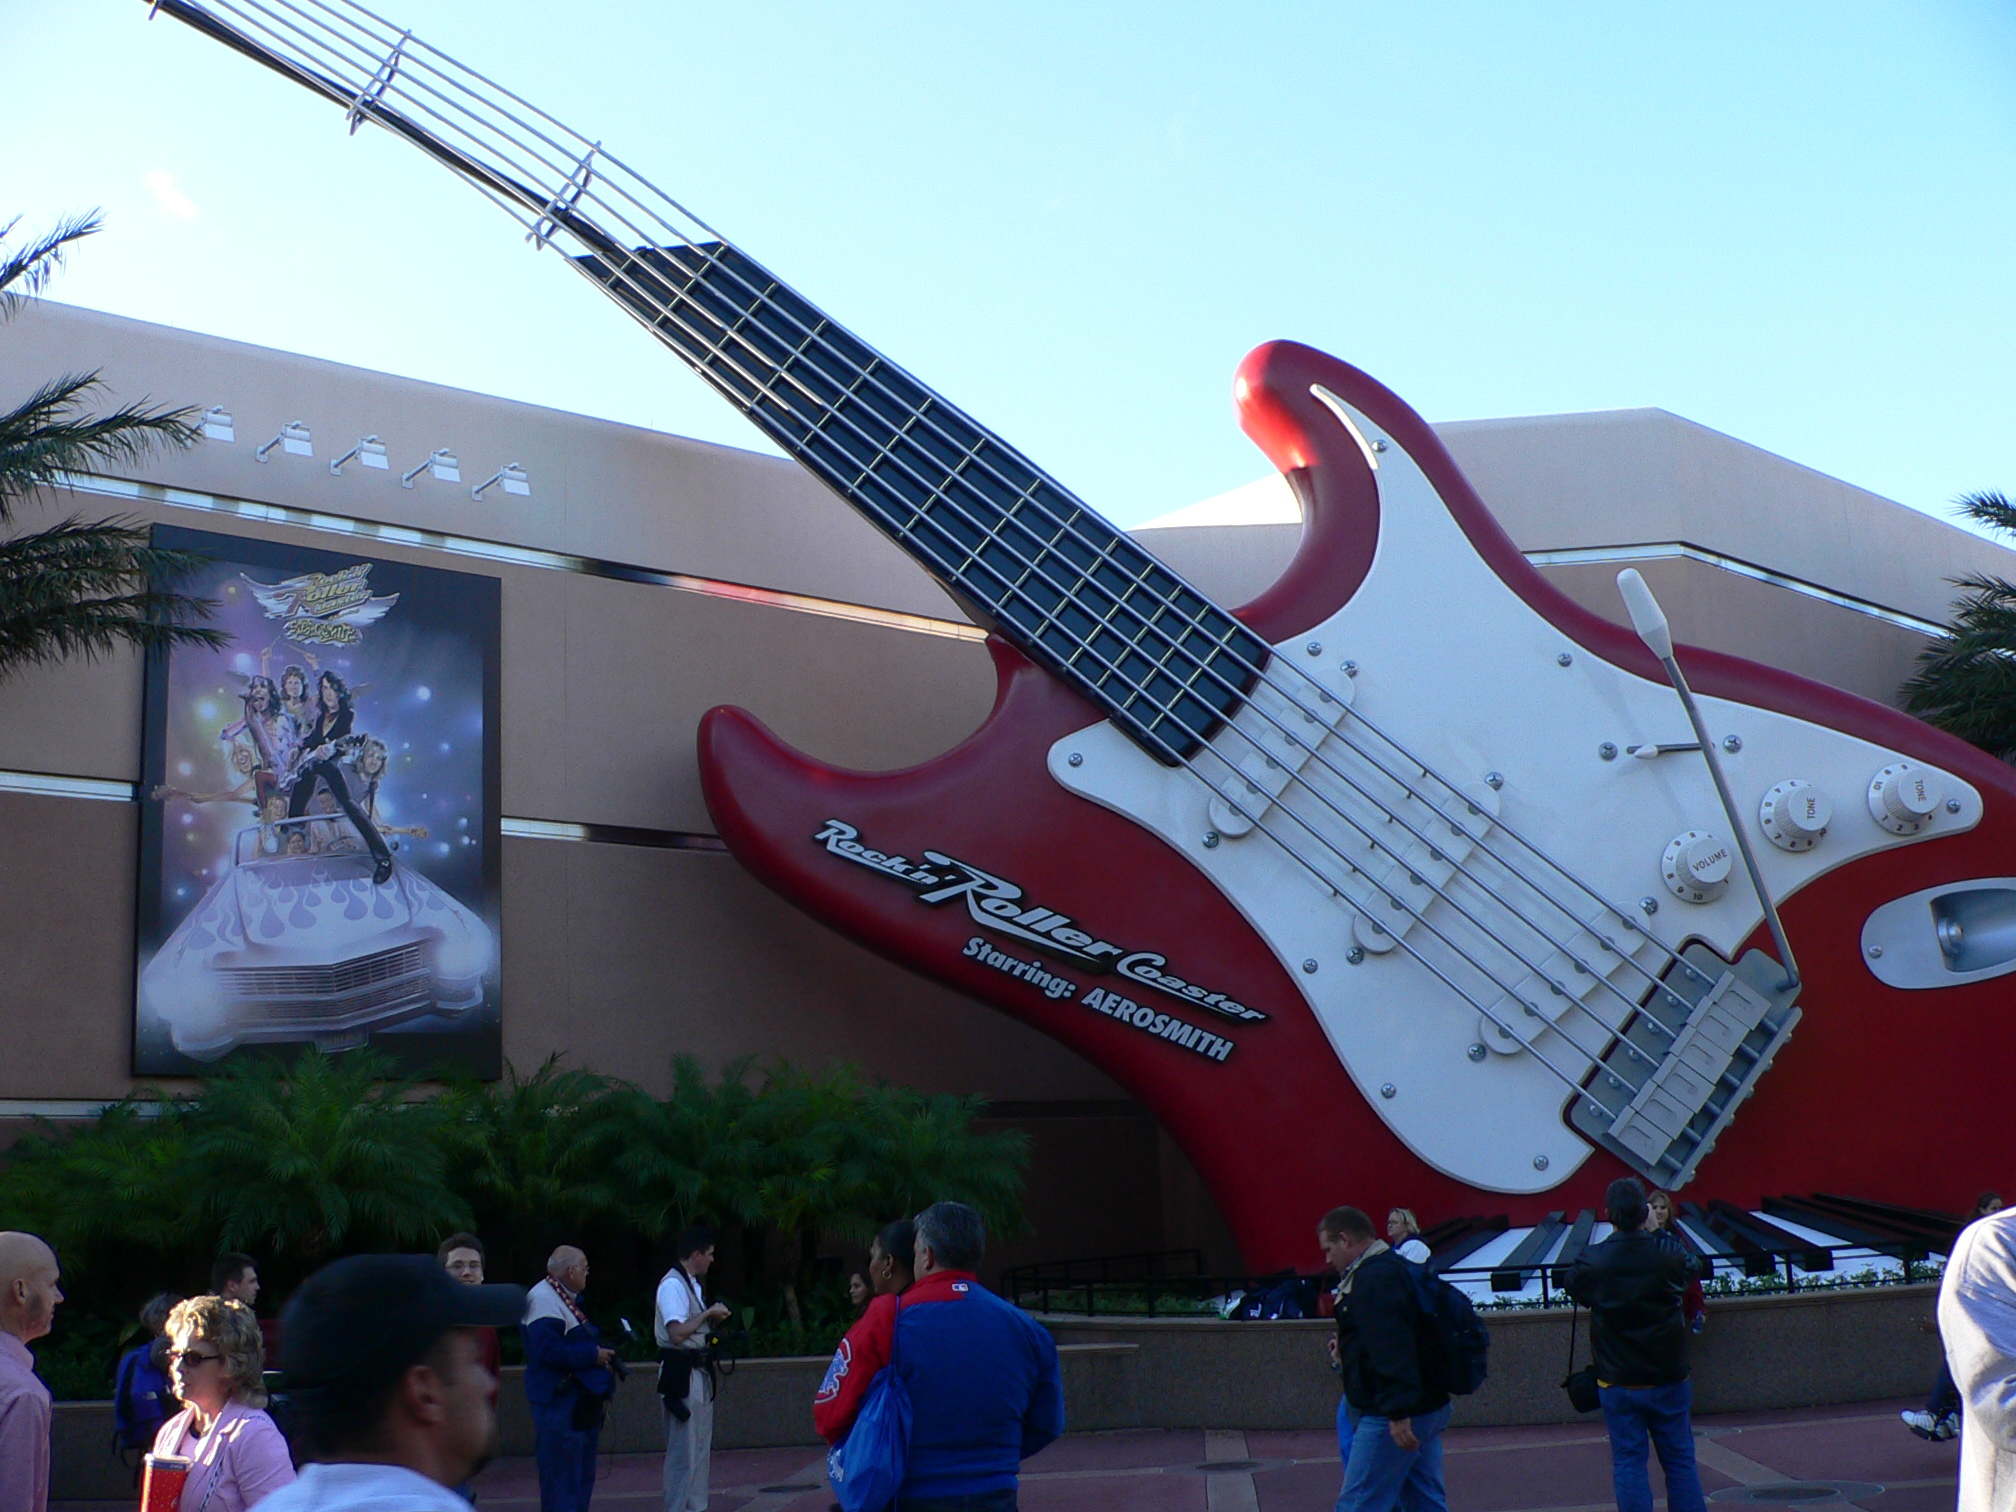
(24,1430)
(243,1456)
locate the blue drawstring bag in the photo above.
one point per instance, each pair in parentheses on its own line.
(867,1466)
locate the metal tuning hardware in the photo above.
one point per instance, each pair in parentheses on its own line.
(1673,1080)
(1649,620)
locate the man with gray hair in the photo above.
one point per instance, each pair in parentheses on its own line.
(28,1298)
(985,1392)
(568,1381)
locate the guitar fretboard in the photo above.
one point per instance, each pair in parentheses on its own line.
(1064,586)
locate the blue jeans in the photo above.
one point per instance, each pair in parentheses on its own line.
(1658,1415)
(566,1457)
(1379,1473)
(1347,1425)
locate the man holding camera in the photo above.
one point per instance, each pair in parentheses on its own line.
(680,1320)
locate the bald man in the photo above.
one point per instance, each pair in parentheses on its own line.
(567,1381)
(28,1298)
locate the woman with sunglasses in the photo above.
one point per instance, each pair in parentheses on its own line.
(216,1365)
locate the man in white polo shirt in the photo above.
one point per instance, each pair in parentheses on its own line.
(680,1321)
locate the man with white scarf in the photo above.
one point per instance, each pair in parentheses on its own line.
(567,1381)
(1977,1319)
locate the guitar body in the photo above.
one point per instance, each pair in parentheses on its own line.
(1884,1092)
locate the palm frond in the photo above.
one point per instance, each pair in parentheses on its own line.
(92,587)
(33,265)
(1989,508)
(48,434)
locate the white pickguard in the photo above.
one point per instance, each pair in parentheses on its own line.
(1463,673)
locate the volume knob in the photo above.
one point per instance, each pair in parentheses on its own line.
(1696,866)
(1795,815)
(1902,797)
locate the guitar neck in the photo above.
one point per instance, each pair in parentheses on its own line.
(1069,590)
(1058,581)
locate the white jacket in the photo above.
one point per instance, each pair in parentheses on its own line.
(1977,1321)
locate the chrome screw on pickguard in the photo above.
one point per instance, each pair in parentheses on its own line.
(1389,1090)
(1314,648)
(1210,839)
(1378,446)
(1952,805)
(1539,1162)
(1607,751)
(1649,905)
(1875,952)
(1732,743)
(1075,759)
(1349,668)
(1355,956)
(1476,1052)
(1493,781)
(1564,660)
(1309,967)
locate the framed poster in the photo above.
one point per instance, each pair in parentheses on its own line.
(319,860)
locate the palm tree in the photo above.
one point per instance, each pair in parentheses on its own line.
(320,1155)
(1966,679)
(82,587)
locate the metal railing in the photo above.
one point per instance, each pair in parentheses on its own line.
(1058,1285)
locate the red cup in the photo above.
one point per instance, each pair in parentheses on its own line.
(161,1482)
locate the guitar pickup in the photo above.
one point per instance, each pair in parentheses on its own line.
(1673,1081)
(1266,745)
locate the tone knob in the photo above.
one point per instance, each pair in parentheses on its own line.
(1696,866)
(1795,815)
(1903,797)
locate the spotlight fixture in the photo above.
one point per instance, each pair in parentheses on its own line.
(440,462)
(216,424)
(511,475)
(369,452)
(293,438)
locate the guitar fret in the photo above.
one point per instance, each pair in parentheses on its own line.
(1057,578)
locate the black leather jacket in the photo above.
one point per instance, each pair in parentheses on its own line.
(1632,1285)
(1379,1341)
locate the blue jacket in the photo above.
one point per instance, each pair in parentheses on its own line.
(985,1391)
(560,1353)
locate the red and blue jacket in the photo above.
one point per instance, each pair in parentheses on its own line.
(985,1392)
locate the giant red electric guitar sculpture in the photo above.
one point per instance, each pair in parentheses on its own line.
(1362,888)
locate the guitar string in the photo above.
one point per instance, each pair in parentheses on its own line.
(762,298)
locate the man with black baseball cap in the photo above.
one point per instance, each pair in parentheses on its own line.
(386,1373)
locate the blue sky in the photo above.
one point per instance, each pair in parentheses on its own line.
(1793,222)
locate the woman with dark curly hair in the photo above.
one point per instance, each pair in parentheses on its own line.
(216,1364)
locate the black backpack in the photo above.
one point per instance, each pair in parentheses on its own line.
(1454,1342)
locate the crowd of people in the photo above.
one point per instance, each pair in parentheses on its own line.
(392,1364)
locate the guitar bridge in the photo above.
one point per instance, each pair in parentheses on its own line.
(1671,1084)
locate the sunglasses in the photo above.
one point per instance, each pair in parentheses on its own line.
(191,1357)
